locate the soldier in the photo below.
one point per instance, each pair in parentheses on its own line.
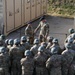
(1,41)
(29,33)
(15,56)
(44,26)
(27,64)
(3,62)
(71,31)
(10,43)
(56,45)
(53,64)
(67,60)
(34,48)
(40,59)
(6,42)
(49,40)
(46,51)
(24,43)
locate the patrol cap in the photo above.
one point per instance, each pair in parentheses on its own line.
(10,42)
(23,38)
(41,49)
(54,50)
(27,53)
(36,41)
(71,30)
(42,18)
(55,40)
(16,41)
(2,49)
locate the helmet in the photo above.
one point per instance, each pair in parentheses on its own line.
(73,36)
(44,44)
(36,41)
(23,38)
(68,45)
(70,40)
(3,37)
(71,30)
(41,49)
(16,41)
(54,50)
(6,41)
(49,38)
(55,40)
(10,42)
(27,53)
(2,49)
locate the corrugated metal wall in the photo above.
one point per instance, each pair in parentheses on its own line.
(18,12)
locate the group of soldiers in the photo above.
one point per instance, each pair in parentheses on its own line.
(39,56)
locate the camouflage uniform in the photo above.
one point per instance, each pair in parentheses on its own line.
(67,62)
(27,66)
(54,65)
(15,56)
(34,49)
(4,64)
(44,30)
(40,63)
(49,40)
(29,33)
(56,46)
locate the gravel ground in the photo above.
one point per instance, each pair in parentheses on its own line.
(58,28)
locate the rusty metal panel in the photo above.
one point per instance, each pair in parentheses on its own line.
(27,10)
(9,15)
(38,7)
(17,13)
(33,8)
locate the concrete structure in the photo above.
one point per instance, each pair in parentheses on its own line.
(16,13)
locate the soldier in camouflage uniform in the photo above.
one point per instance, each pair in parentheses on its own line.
(46,51)
(34,48)
(27,64)
(56,45)
(10,43)
(29,33)
(49,40)
(6,42)
(15,56)
(4,62)
(24,43)
(71,31)
(40,62)
(44,26)
(67,60)
(53,64)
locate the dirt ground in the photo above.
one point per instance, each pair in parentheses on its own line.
(58,28)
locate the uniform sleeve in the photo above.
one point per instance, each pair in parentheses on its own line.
(21,61)
(37,27)
(47,30)
(48,63)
